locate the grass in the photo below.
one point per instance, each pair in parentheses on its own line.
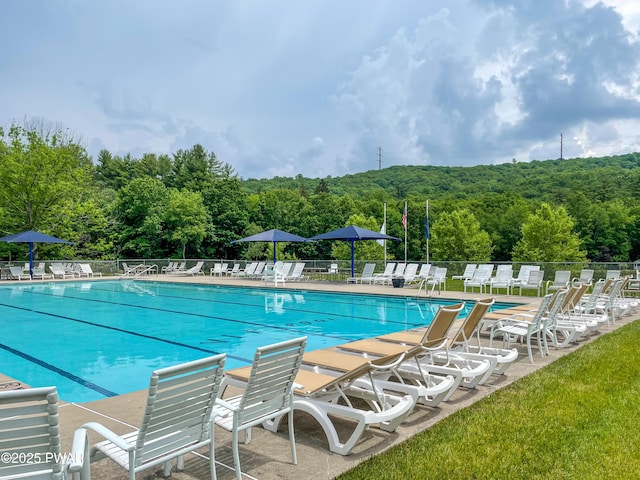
(576,418)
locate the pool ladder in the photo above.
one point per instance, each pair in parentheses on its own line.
(425,283)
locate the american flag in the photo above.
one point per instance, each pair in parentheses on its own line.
(404,217)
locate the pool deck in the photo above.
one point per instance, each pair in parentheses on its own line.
(268,456)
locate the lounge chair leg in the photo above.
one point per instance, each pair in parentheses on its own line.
(236,454)
(167,467)
(294,457)
(212,453)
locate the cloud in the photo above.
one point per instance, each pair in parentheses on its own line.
(314,88)
(534,70)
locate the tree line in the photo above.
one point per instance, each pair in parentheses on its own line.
(190,204)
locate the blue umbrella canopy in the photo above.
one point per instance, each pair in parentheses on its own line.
(274,235)
(351,234)
(32,237)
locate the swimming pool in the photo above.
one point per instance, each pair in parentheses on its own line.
(95,339)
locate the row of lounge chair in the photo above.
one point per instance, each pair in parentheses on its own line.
(426,275)
(566,316)
(372,382)
(280,272)
(58,270)
(283,272)
(530,277)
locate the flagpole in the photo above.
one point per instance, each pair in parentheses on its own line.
(426,229)
(405,231)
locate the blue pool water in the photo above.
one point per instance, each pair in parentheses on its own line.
(103,338)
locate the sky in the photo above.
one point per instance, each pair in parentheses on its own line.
(315,87)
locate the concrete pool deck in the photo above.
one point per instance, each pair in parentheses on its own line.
(268,455)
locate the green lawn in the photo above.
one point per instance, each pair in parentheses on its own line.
(576,418)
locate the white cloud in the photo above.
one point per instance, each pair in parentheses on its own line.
(283,88)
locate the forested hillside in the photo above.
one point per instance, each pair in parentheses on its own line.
(550,181)
(191,204)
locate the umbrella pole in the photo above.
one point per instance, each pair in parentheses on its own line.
(31,259)
(274,253)
(352,259)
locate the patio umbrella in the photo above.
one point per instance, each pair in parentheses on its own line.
(31,237)
(274,236)
(351,234)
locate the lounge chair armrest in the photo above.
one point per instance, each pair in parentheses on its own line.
(227,405)
(79,451)
(435,345)
(388,366)
(109,435)
(513,321)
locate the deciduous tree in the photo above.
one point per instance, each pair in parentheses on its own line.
(547,236)
(457,236)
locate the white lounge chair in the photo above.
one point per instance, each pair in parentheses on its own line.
(534,282)
(276,273)
(400,268)
(170,267)
(367,274)
(614,274)
(325,397)
(385,277)
(466,372)
(604,303)
(58,271)
(193,271)
(216,270)
(177,420)
(568,327)
(40,273)
(560,281)
(331,362)
(259,270)
(586,277)
(523,275)
(127,270)
(86,269)
(234,270)
(296,274)
(480,278)
(437,279)
(425,271)
(460,346)
(502,280)
(268,393)
(411,273)
(524,326)
(462,342)
(17,273)
(248,270)
(30,433)
(469,270)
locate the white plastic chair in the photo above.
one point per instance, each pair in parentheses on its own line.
(268,393)
(177,420)
(367,274)
(534,282)
(29,429)
(561,280)
(469,270)
(525,327)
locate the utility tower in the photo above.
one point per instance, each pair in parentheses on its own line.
(379,158)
